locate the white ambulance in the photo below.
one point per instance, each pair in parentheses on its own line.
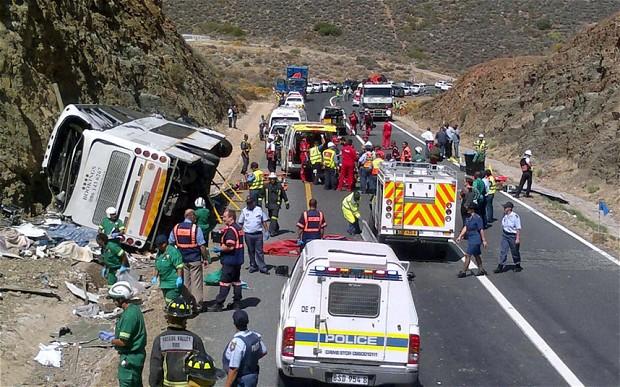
(414,201)
(347,317)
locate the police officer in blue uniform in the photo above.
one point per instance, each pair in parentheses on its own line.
(241,356)
(231,258)
(311,224)
(511,239)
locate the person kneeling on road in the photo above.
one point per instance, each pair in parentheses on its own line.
(173,346)
(231,258)
(169,269)
(242,354)
(351,212)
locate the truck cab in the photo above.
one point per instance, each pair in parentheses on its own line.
(378,99)
(347,316)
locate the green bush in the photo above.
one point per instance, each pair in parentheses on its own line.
(416,53)
(221,28)
(327,29)
(295,51)
(544,24)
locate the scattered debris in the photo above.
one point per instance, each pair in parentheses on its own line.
(39,292)
(64,331)
(72,250)
(30,231)
(50,355)
(81,293)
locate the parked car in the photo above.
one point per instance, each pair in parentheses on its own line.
(295,100)
(309,89)
(316,87)
(325,86)
(418,88)
(446,86)
(439,84)
(398,91)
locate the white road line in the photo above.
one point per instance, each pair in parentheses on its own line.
(543,216)
(527,329)
(566,230)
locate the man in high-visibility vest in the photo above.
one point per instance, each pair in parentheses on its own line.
(405,156)
(351,212)
(311,224)
(480,147)
(376,165)
(316,161)
(491,186)
(256,183)
(190,241)
(329,166)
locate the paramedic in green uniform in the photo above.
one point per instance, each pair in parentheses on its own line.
(169,269)
(129,337)
(112,226)
(114,258)
(203,218)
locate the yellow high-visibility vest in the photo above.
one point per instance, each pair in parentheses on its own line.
(376,164)
(328,158)
(258,180)
(350,209)
(315,155)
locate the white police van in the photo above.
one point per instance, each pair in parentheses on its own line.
(347,317)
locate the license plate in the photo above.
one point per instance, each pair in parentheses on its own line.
(359,380)
(409,232)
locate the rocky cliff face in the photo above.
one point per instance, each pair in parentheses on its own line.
(565,107)
(124,53)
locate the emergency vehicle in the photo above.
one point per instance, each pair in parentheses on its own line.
(347,316)
(311,131)
(414,201)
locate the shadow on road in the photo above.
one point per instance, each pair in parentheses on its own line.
(427,252)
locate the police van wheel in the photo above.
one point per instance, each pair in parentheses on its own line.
(287,381)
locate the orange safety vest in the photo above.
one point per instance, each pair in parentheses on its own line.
(185,237)
(368,161)
(312,223)
(406,155)
(238,236)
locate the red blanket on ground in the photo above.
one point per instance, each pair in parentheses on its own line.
(289,248)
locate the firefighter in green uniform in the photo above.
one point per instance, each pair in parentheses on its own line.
(112,226)
(204,220)
(129,337)
(114,258)
(169,269)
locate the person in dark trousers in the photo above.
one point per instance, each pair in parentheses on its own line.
(511,239)
(231,258)
(311,224)
(167,364)
(467,197)
(246,147)
(242,354)
(480,191)
(190,241)
(442,141)
(474,229)
(526,174)
(256,231)
(235,111)
(329,166)
(491,187)
(230,114)
(274,196)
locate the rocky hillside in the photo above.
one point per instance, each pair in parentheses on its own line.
(123,52)
(443,35)
(565,107)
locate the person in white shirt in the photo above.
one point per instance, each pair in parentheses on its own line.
(429,139)
(511,239)
(231,114)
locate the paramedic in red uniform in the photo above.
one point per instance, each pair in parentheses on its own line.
(311,224)
(304,158)
(347,169)
(387,134)
(353,122)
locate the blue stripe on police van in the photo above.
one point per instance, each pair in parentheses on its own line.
(377,341)
(316,273)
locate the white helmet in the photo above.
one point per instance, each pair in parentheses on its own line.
(388,113)
(528,152)
(199,202)
(368,144)
(271,137)
(273,175)
(481,135)
(120,290)
(110,211)
(330,144)
(366,110)
(418,149)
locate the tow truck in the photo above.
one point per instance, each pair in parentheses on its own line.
(414,202)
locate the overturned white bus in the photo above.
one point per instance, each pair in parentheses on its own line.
(149,168)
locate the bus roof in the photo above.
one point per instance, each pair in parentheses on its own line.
(313,127)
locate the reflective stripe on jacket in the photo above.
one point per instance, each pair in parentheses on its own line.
(376,164)
(233,257)
(368,160)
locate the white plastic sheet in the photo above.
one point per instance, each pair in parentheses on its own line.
(49,355)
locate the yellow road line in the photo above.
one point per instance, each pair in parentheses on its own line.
(308,188)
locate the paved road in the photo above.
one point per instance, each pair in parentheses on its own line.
(567,293)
